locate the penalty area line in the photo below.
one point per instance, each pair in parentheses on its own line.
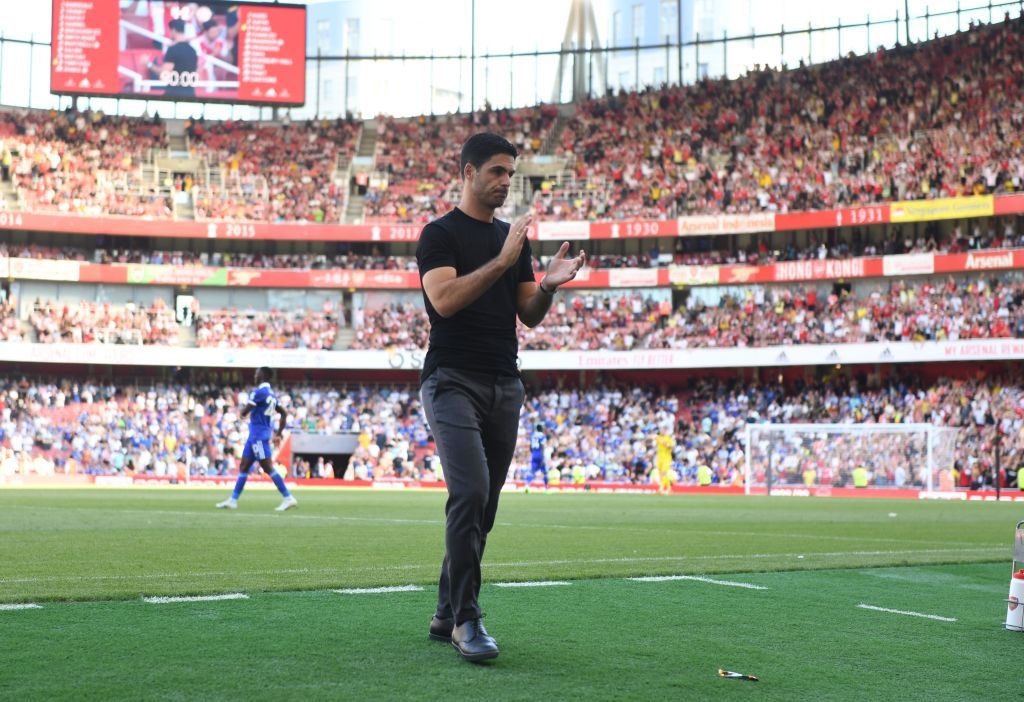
(378,590)
(712,581)
(534,583)
(906,613)
(12,607)
(196,598)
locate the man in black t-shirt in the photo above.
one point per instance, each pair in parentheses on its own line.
(180,63)
(477,278)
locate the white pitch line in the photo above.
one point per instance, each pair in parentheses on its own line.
(536,583)
(196,598)
(729,583)
(909,614)
(11,607)
(378,590)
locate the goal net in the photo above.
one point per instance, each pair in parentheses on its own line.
(916,456)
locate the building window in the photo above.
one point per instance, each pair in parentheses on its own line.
(707,26)
(668,22)
(323,36)
(638,23)
(387,36)
(350,42)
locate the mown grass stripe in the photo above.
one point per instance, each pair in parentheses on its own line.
(807,555)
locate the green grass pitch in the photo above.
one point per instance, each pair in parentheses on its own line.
(88,557)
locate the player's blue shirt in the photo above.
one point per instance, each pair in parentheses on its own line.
(264,413)
(537,440)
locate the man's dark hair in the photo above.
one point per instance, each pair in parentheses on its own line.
(177,25)
(265,372)
(479,148)
(209,24)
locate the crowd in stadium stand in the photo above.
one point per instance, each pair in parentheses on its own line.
(616,320)
(597,433)
(982,410)
(274,173)
(96,322)
(896,312)
(932,310)
(83,322)
(395,326)
(81,162)
(85,427)
(926,121)
(293,329)
(10,325)
(420,158)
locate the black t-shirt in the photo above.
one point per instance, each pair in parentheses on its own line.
(482,336)
(183,56)
(185,61)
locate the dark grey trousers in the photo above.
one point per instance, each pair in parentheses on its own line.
(474,418)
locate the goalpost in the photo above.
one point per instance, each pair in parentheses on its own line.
(917,456)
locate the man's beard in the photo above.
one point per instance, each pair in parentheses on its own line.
(492,198)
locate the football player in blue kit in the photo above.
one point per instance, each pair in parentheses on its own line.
(262,409)
(537,443)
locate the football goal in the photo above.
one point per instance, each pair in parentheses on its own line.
(917,456)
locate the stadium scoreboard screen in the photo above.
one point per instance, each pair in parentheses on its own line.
(191,51)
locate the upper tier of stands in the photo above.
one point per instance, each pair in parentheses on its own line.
(942,118)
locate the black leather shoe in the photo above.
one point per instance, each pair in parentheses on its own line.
(441,629)
(473,642)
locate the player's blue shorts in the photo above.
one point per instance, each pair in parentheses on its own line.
(537,463)
(257,449)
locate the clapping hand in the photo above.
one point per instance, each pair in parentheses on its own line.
(513,246)
(563,268)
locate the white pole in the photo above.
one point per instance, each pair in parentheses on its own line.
(746,477)
(931,465)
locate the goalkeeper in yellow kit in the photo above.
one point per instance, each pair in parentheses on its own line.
(663,463)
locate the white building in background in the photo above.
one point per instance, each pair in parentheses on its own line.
(415,28)
(648,22)
(369,28)
(633,23)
